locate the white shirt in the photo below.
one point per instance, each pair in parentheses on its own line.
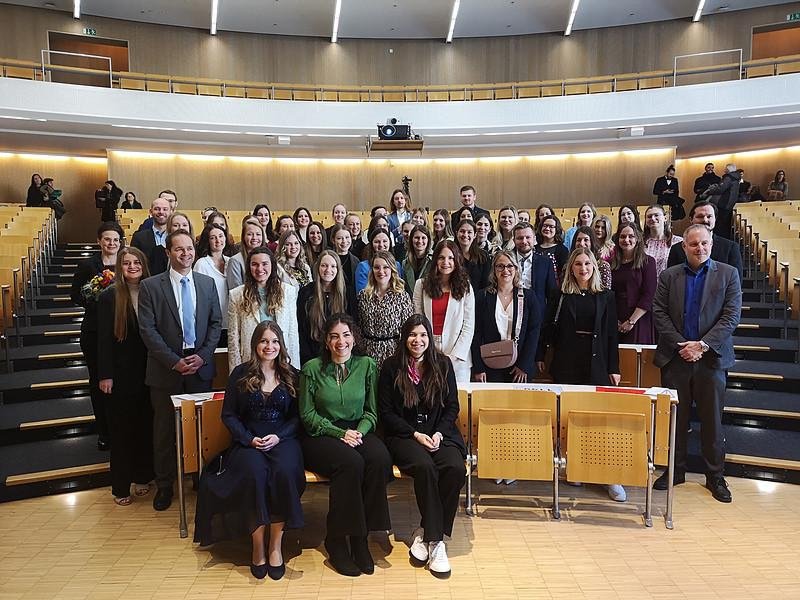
(206,266)
(503,318)
(175,279)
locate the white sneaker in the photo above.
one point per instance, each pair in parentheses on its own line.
(617,493)
(510,481)
(498,481)
(438,564)
(419,549)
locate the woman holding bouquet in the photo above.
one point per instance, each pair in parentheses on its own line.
(94,275)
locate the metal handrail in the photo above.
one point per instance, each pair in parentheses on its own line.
(695,54)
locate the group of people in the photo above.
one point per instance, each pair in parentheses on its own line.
(334,331)
(724,192)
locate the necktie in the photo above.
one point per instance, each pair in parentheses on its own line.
(188,313)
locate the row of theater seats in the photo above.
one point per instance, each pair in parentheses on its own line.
(27,239)
(771,231)
(152,82)
(596,436)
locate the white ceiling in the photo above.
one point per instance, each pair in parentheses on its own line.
(397,19)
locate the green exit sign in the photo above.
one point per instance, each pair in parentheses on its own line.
(793,16)
(90,31)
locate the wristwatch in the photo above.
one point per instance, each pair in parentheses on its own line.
(631,323)
(703,346)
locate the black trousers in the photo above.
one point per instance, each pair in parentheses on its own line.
(438,479)
(357,502)
(164,458)
(131,420)
(99,399)
(705,386)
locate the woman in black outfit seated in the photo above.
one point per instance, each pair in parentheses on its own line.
(122,362)
(35,197)
(499,304)
(258,481)
(419,408)
(338,405)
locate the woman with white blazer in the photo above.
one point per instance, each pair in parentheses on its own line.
(262,297)
(445,296)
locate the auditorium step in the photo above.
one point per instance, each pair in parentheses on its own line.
(46,356)
(764,375)
(46,334)
(771,328)
(52,466)
(758,348)
(765,409)
(38,384)
(54,316)
(51,418)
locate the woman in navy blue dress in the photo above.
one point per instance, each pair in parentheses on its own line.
(257,483)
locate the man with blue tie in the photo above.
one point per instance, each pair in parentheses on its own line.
(180,323)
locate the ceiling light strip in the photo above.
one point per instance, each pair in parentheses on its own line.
(76,9)
(572,12)
(214,13)
(699,11)
(453,17)
(337,11)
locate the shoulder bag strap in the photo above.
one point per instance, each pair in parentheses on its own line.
(518,315)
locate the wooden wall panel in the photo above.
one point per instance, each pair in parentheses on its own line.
(77,177)
(192,52)
(611,178)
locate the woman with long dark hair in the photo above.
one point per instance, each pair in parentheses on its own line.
(418,257)
(302,219)
(316,241)
(257,482)
(628,214)
(325,296)
(98,268)
(542,211)
(341,243)
(130,202)
(35,197)
(442,228)
(476,261)
(550,244)
(586,215)
(446,298)
(121,367)
(484,233)
(112,195)
(419,407)
(218,218)
(633,279)
(338,406)
(262,297)
(383,306)
(379,241)
(264,216)
(212,262)
(778,188)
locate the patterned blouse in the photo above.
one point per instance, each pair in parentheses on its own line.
(380,320)
(659,250)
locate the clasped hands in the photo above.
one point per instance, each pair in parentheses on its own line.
(430,442)
(352,438)
(188,365)
(268,442)
(690,351)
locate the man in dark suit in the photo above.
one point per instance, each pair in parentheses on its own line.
(468,198)
(723,250)
(705,181)
(697,307)
(170,197)
(536,271)
(153,239)
(180,323)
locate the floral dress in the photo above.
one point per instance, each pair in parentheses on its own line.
(380,319)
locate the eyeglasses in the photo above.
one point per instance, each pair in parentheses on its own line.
(548,226)
(504,267)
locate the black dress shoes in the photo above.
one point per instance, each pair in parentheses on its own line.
(340,558)
(359,546)
(719,489)
(163,499)
(259,571)
(276,573)
(663,482)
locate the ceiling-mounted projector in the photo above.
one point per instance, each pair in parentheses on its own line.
(393,131)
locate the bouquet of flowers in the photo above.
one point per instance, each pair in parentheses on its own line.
(92,289)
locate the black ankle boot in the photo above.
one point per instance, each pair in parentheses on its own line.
(339,557)
(359,546)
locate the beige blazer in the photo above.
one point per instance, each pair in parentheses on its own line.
(459,322)
(243,318)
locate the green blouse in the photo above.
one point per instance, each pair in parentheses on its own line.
(323,401)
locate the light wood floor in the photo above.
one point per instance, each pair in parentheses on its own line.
(82,545)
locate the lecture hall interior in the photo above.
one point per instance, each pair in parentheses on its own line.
(314,103)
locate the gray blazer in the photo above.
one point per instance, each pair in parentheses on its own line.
(162,332)
(720,311)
